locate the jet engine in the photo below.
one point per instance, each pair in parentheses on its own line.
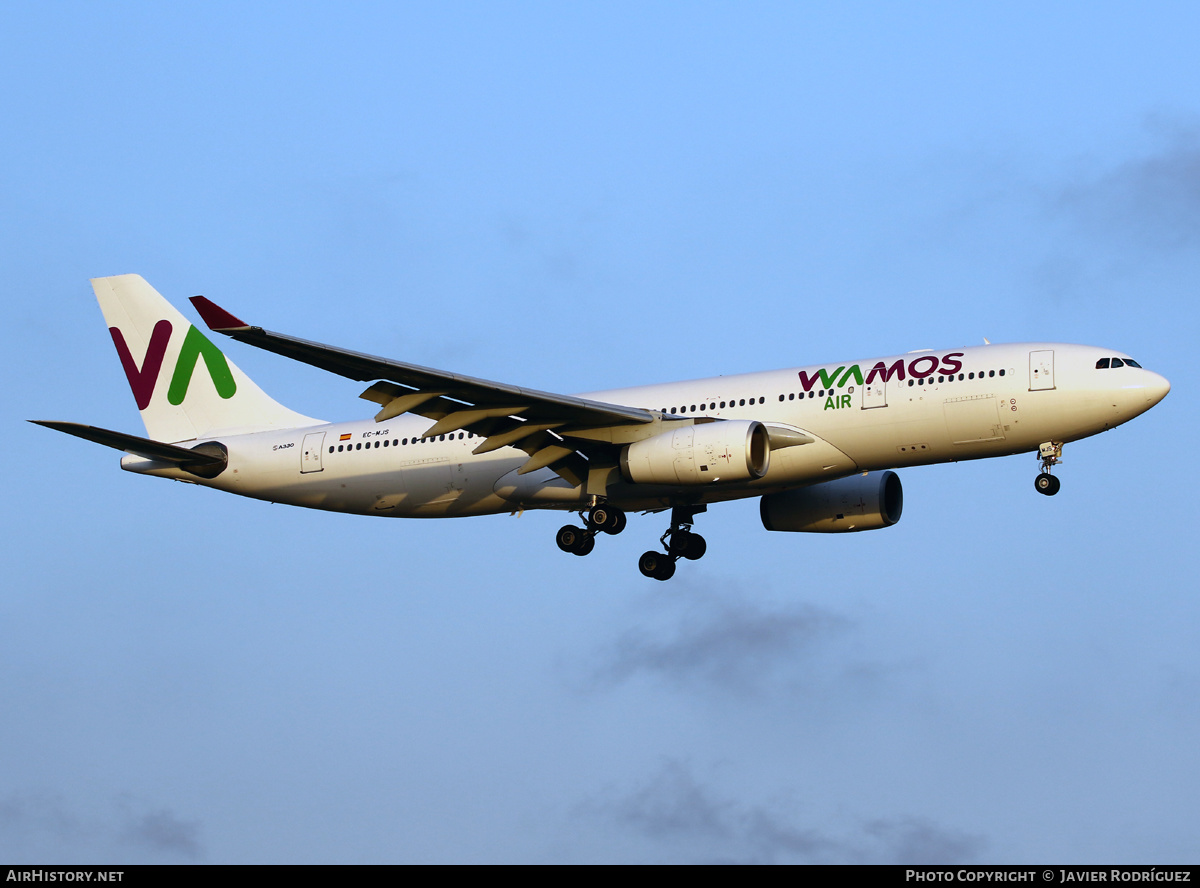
(860,502)
(731,450)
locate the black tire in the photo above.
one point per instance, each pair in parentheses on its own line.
(585,545)
(651,564)
(616,523)
(1046,484)
(599,517)
(696,547)
(678,542)
(666,570)
(568,537)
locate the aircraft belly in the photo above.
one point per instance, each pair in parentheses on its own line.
(542,487)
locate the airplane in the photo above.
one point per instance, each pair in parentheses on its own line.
(817,445)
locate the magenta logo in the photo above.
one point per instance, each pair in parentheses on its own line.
(195,346)
(142,379)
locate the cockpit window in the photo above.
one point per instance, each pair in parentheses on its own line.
(1117,362)
(1102,364)
(1130,362)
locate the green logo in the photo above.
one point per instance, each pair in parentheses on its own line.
(195,345)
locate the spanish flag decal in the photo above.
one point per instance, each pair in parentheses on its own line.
(345,437)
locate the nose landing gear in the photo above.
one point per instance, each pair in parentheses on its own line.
(1050,455)
(679,541)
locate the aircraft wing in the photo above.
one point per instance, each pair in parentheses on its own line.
(504,415)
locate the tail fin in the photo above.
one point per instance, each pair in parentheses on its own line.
(184,386)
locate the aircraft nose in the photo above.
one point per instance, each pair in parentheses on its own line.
(1156,388)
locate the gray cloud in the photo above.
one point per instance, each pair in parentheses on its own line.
(691,822)
(42,823)
(673,804)
(913,840)
(160,830)
(45,814)
(1151,201)
(718,640)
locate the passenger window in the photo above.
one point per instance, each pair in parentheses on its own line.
(742,403)
(970,376)
(910,382)
(941,379)
(672,409)
(1001,372)
(991,373)
(331,448)
(358,446)
(960,376)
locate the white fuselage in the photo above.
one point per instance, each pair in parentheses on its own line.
(914,409)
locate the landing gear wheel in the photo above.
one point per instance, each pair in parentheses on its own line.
(607,519)
(679,542)
(617,524)
(1046,484)
(598,517)
(573,539)
(656,565)
(696,547)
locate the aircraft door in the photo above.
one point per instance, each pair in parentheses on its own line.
(874,394)
(310,453)
(1041,370)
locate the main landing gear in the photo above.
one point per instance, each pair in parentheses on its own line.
(679,541)
(1050,454)
(581,540)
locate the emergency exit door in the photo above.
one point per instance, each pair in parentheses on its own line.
(310,453)
(1041,370)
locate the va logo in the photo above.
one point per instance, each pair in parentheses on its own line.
(195,345)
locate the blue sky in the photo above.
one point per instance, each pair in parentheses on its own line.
(575,199)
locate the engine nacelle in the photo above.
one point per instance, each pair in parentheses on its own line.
(734,450)
(860,502)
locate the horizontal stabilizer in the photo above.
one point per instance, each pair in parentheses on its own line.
(196,461)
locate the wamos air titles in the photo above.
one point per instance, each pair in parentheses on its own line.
(815,444)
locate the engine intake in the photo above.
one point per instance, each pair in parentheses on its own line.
(860,502)
(731,450)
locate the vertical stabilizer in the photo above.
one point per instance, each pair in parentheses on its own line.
(184,385)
